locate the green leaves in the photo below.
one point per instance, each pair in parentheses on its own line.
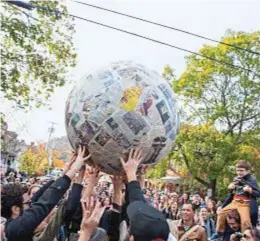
(224,94)
(36,54)
(221,110)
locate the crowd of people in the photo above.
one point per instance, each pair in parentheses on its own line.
(75,208)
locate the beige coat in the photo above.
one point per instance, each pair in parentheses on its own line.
(196,233)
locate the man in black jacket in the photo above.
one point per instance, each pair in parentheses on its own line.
(146,222)
(21,224)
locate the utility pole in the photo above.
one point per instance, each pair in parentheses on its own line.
(51,130)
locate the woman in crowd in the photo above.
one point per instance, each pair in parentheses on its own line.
(185,198)
(173,211)
(174,197)
(206,221)
(44,214)
(106,202)
(211,205)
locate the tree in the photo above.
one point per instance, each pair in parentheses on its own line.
(206,152)
(37,51)
(35,162)
(222,109)
(57,162)
(227,96)
(160,169)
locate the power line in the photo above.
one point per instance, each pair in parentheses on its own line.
(153,40)
(163,43)
(165,26)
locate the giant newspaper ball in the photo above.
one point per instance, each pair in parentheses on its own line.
(120,106)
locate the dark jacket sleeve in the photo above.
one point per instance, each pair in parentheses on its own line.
(255,189)
(73,201)
(113,227)
(22,228)
(135,192)
(41,191)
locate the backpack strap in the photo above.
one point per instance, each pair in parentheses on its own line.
(186,234)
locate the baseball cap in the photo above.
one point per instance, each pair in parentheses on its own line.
(147,223)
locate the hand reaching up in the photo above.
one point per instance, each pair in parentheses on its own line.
(92,213)
(94,175)
(72,160)
(81,158)
(77,164)
(130,167)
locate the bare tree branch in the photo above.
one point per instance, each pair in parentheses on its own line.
(245,119)
(189,168)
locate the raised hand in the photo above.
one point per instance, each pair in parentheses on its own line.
(81,158)
(130,167)
(232,186)
(94,174)
(77,164)
(92,213)
(72,160)
(247,188)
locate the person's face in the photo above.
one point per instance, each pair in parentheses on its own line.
(174,197)
(249,236)
(107,201)
(187,212)
(204,213)
(34,190)
(17,180)
(210,204)
(196,198)
(31,180)
(233,224)
(185,196)
(103,195)
(161,199)
(241,172)
(174,206)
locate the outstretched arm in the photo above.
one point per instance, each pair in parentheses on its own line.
(130,167)
(23,227)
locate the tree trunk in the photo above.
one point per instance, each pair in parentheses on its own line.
(213,186)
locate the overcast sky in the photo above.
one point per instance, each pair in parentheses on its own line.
(97,46)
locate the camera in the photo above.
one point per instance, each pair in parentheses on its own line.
(239,182)
(239,235)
